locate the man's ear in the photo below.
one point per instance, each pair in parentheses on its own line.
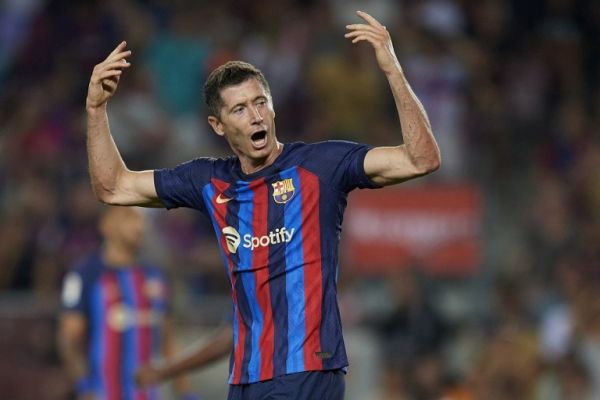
(216,125)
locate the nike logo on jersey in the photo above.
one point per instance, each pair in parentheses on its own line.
(223,200)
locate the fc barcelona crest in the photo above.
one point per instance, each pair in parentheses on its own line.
(283,190)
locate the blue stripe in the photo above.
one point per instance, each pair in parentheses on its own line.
(294,285)
(245,197)
(129,345)
(156,306)
(97,324)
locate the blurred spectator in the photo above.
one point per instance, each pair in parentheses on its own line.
(345,111)
(412,334)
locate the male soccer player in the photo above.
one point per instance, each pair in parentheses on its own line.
(276,209)
(114,316)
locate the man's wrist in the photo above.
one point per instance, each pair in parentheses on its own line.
(95,110)
(395,70)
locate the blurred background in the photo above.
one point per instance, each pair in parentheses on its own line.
(478,282)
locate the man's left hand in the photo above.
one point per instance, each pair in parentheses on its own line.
(379,37)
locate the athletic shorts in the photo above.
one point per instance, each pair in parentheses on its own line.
(309,385)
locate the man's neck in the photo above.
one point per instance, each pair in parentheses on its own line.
(117,256)
(249,168)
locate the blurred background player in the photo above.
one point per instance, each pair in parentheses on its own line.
(115,315)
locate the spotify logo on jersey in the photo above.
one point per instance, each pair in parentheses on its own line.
(279,235)
(232,237)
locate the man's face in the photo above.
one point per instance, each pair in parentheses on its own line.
(247,121)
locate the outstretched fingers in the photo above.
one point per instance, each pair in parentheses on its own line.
(118,55)
(372,31)
(356,31)
(113,64)
(105,76)
(120,47)
(366,28)
(375,35)
(372,21)
(378,36)
(108,74)
(371,38)
(107,69)
(120,58)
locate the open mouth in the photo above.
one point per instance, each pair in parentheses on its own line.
(259,139)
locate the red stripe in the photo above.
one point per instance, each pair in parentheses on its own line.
(143,332)
(111,368)
(313,285)
(219,216)
(260,266)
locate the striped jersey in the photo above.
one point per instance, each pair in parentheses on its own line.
(125,309)
(278,230)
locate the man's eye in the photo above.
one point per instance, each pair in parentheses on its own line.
(238,110)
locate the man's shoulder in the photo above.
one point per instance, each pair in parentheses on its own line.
(295,148)
(85,271)
(90,264)
(322,150)
(209,162)
(201,169)
(323,144)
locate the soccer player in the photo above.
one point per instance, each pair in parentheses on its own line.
(276,210)
(114,315)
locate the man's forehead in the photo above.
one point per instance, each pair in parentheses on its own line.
(244,91)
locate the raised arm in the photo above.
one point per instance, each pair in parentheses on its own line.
(112,181)
(419,155)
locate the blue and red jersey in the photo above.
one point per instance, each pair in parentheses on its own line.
(278,230)
(125,310)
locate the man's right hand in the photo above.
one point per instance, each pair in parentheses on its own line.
(148,375)
(105,77)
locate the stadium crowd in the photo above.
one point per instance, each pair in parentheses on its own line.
(512,89)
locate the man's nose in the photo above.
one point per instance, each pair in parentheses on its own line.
(256,115)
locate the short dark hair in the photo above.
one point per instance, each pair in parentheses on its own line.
(229,74)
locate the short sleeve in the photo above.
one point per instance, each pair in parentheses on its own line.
(182,186)
(73,292)
(341,164)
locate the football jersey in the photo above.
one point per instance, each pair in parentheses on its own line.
(278,230)
(125,310)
